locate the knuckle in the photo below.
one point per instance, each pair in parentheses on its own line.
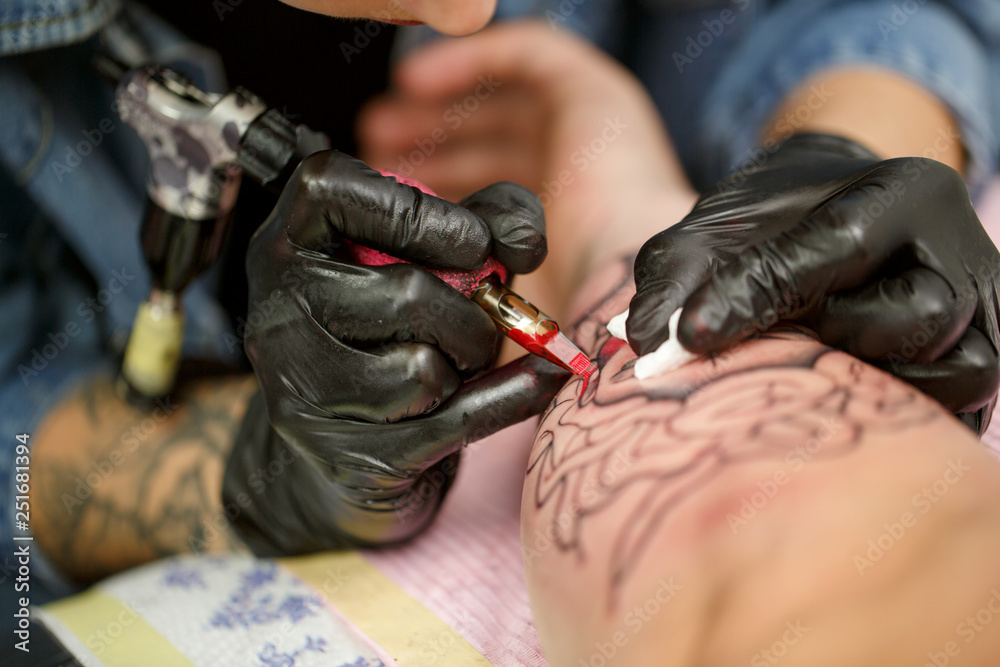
(313,167)
(423,369)
(411,288)
(981,361)
(933,302)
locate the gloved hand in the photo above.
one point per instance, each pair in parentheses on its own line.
(360,484)
(883,259)
(350,358)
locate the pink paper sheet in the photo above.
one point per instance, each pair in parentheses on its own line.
(467,568)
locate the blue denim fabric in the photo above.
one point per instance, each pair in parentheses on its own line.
(718,69)
(72,193)
(29,25)
(946,47)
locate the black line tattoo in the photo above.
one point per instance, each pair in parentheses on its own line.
(666,439)
(138,490)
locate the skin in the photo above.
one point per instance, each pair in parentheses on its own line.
(451,17)
(578,96)
(113,487)
(877,108)
(721,514)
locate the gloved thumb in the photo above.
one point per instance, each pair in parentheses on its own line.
(516,221)
(504,397)
(669,267)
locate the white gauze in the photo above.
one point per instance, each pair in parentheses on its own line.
(670,355)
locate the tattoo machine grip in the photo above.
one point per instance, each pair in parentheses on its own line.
(520,321)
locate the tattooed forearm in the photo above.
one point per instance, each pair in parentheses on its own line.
(117,487)
(640,450)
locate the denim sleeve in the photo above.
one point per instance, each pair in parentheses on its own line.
(50,346)
(71,269)
(944,47)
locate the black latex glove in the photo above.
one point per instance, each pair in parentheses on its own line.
(883,259)
(350,357)
(362,484)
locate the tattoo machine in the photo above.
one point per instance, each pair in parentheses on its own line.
(199,146)
(520,321)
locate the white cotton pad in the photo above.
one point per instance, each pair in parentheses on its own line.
(616,327)
(670,355)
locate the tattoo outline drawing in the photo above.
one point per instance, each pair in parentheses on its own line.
(666,438)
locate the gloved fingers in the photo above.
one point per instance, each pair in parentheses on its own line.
(668,268)
(279,496)
(333,195)
(384,384)
(404,449)
(912,317)
(835,248)
(963,380)
(372,306)
(401,380)
(516,221)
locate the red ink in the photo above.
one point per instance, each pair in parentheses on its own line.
(609,348)
(586,377)
(534,343)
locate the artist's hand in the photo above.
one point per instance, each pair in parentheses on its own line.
(351,359)
(355,484)
(885,260)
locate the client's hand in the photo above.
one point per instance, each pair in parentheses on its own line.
(885,260)
(525,103)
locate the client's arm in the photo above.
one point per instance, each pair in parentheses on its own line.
(782,501)
(113,487)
